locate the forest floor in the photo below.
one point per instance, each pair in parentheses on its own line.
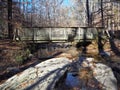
(8,50)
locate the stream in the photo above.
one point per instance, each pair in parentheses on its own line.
(73,82)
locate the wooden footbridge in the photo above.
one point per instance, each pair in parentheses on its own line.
(61,34)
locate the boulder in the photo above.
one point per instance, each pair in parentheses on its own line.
(102,73)
(105,76)
(40,77)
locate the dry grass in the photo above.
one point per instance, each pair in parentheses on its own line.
(73,51)
(71,54)
(85,74)
(92,48)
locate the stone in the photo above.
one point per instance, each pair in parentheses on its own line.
(105,76)
(30,55)
(90,59)
(40,77)
(102,73)
(87,62)
(13,69)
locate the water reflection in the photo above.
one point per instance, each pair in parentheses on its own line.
(72,81)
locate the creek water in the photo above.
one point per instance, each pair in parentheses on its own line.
(72,81)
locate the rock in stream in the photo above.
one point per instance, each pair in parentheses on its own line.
(40,77)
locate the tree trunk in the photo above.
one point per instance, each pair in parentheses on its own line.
(100,44)
(102,16)
(10,26)
(88,13)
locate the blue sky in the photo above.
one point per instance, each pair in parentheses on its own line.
(67,3)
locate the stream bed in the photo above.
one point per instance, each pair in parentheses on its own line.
(73,81)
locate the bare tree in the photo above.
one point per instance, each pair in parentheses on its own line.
(10,26)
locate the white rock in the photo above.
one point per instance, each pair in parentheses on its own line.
(89,59)
(105,76)
(102,73)
(88,62)
(41,77)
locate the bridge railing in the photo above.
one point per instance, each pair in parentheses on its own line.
(57,34)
